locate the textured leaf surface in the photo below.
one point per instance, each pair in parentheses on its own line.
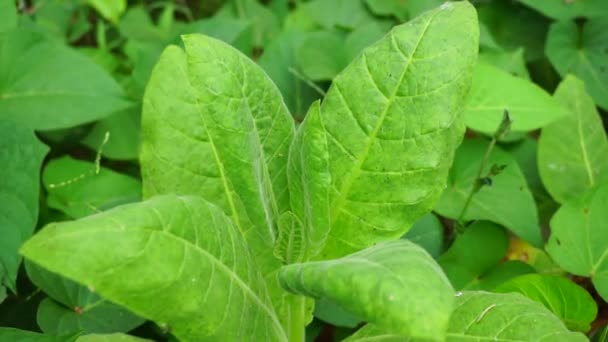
(519,216)
(495,90)
(581,50)
(75,188)
(570,302)
(21,155)
(168,259)
(473,253)
(396,285)
(392,120)
(481,316)
(579,238)
(73,308)
(574,148)
(45,85)
(215,126)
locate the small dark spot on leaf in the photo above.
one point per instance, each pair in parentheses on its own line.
(559,243)
(521,188)
(585,211)
(602,68)
(78,310)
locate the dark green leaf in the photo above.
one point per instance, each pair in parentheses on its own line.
(123,141)
(427,232)
(582,50)
(21,155)
(565,10)
(489,202)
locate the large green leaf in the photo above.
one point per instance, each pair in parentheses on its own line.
(570,302)
(396,285)
(214,125)
(484,316)
(73,308)
(110,338)
(21,155)
(45,85)
(495,90)
(475,252)
(565,10)
(321,55)
(581,50)
(8,15)
(78,188)
(392,120)
(12,334)
(579,238)
(488,204)
(573,152)
(170,259)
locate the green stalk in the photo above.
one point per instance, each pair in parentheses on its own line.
(296,324)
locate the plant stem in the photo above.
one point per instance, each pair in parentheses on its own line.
(296,325)
(503,128)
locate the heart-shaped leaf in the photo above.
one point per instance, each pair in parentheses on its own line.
(575,147)
(581,50)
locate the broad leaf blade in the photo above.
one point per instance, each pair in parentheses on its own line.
(45,85)
(511,317)
(21,156)
(573,152)
(580,50)
(568,10)
(495,90)
(579,238)
(570,302)
(520,216)
(396,285)
(12,334)
(393,118)
(215,126)
(169,259)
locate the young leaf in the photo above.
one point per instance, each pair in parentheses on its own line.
(45,85)
(505,317)
(573,152)
(169,259)
(73,308)
(392,120)
(570,302)
(519,216)
(77,189)
(579,238)
(495,90)
(476,251)
(215,126)
(109,9)
(396,285)
(581,50)
(21,155)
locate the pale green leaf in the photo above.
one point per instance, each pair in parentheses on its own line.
(342,14)
(569,9)
(321,55)
(579,238)
(110,338)
(109,9)
(396,285)
(567,300)
(581,50)
(495,90)
(21,156)
(77,188)
(574,148)
(475,252)
(46,85)
(392,121)
(510,185)
(168,259)
(484,316)
(512,62)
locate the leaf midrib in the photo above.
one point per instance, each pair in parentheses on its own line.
(356,169)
